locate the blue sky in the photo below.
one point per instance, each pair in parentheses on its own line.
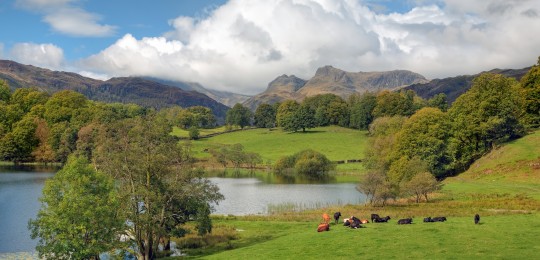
(241,45)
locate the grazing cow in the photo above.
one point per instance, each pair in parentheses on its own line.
(326,218)
(476,219)
(382,220)
(405,221)
(323,227)
(336,216)
(374,217)
(439,219)
(428,219)
(364,221)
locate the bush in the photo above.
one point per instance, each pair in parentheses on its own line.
(194,133)
(308,163)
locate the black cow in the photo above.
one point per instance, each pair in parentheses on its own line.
(405,221)
(428,219)
(347,222)
(355,222)
(382,220)
(374,217)
(336,216)
(439,219)
(476,219)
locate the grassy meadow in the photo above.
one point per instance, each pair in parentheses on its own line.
(503,187)
(337,143)
(496,237)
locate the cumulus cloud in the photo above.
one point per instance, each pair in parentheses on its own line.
(65,18)
(42,55)
(243,45)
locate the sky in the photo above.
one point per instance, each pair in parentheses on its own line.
(241,45)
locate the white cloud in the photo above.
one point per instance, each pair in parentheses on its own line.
(65,18)
(244,44)
(77,22)
(42,55)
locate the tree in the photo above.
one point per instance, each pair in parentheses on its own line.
(44,152)
(79,216)
(307,163)
(63,105)
(285,115)
(484,116)
(361,110)
(376,188)
(303,119)
(395,103)
(17,145)
(202,116)
(530,85)
(422,184)
(426,135)
(239,115)
(265,116)
(381,150)
(194,133)
(156,180)
(5,92)
(439,101)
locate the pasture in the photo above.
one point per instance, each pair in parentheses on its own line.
(337,143)
(496,237)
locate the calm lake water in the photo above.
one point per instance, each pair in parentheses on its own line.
(20,190)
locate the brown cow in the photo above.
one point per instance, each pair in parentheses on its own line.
(323,227)
(326,218)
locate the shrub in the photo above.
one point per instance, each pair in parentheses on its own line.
(194,133)
(308,163)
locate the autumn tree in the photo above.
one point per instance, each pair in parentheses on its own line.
(422,184)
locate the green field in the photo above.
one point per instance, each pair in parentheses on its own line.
(503,187)
(336,143)
(497,237)
(513,168)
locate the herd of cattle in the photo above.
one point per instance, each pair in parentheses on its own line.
(354,222)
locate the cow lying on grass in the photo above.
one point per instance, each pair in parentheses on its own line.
(382,220)
(439,219)
(352,222)
(405,221)
(323,227)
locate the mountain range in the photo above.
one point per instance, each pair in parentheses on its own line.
(135,90)
(328,79)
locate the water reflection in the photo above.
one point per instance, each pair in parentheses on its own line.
(269,178)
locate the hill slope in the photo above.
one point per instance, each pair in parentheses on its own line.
(126,90)
(453,87)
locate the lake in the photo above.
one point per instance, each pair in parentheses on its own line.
(20,189)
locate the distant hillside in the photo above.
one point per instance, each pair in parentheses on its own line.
(136,90)
(453,87)
(328,79)
(227,98)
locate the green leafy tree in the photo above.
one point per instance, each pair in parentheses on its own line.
(202,116)
(265,116)
(286,113)
(395,103)
(239,115)
(330,109)
(63,105)
(361,110)
(530,84)
(381,150)
(439,101)
(194,133)
(17,145)
(484,116)
(26,98)
(5,91)
(79,216)
(426,135)
(307,163)
(303,119)
(156,180)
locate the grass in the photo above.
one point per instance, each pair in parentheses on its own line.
(336,143)
(202,131)
(497,237)
(513,168)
